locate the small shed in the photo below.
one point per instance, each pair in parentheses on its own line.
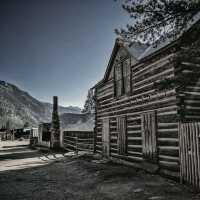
(44,134)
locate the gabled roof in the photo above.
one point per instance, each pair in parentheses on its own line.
(135,50)
(141,51)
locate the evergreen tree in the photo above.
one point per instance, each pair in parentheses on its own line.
(89,105)
(153,19)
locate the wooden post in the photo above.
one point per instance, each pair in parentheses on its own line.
(94,140)
(76,146)
(55,125)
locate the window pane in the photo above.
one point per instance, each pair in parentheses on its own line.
(126,76)
(126,68)
(118,88)
(118,72)
(127,84)
(118,79)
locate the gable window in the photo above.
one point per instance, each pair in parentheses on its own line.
(127,76)
(122,78)
(118,80)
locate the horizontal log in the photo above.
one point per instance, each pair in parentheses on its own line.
(190,107)
(168,130)
(135,126)
(134,132)
(134,138)
(169,165)
(164,157)
(106,86)
(169,147)
(134,146)
(104,96)
(154,69)
(152,78)
(170,174)
(169,152)
(156,76)
(161,125)
(132,99)
(168,139)
(127,158)
(141,68)
(142,107)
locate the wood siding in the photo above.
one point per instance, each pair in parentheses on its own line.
(190,153)
(149,136)
(144,97)
(189,96)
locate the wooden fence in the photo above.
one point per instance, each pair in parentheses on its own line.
(78,140)
(189,136)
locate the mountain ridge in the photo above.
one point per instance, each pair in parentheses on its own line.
(19,107)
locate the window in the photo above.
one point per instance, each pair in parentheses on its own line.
(127,76)
(118,80)
(122,78)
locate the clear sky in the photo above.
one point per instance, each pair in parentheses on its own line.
(57,47)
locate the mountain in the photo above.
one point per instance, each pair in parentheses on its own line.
(18,107)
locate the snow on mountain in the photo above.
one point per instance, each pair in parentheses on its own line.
(18,107)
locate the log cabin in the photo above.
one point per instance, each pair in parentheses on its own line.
(146,92)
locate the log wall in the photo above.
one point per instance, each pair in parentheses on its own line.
(144,97)
(190,153)
(189,96)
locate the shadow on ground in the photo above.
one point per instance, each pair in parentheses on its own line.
(82,178)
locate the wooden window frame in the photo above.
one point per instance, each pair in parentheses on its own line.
(123,79)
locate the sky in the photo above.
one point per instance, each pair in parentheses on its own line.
(57,47)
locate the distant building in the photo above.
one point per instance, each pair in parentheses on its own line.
(3,133)
(44,134)
(19,133)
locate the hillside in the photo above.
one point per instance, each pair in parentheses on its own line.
(18,107)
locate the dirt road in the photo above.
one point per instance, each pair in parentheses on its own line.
(31,175)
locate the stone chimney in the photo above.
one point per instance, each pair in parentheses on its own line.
(55,125)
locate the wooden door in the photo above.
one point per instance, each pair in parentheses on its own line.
(149,136)
(122,137)
(106,137)
(189,141)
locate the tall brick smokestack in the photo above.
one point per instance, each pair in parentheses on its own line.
(55,125)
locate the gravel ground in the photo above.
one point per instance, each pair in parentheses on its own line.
(64,176)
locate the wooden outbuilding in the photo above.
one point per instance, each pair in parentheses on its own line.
(44,134)
(147,98)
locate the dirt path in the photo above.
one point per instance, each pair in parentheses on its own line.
(15,155)
(79,178)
